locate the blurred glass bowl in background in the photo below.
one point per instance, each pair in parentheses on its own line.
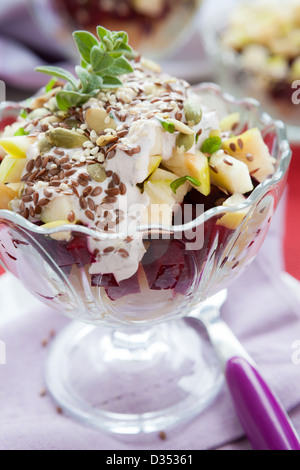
(255,49)
(155,28)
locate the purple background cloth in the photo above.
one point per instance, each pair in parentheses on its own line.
(261,311)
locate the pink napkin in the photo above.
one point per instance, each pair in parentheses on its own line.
(261,311)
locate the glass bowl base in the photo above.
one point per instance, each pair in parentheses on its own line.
(132,382)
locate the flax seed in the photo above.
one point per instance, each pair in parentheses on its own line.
(227,162)
(87,191)
(123,253)
(213,168)
(30,166)
(116,179)
(27,198)
(109,249)
(83,202)
(89,215)
(96,191)
(91,204)
(123,189)
(112,192)
(240,143)
(44,202)
(29,191)
(71,216)
(232,147)
(38,161)
(58,152)
(36,198)
(47,193)
(38,209)
(110,199)
(31,212)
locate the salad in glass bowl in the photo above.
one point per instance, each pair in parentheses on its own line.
(256,50)
(127,198)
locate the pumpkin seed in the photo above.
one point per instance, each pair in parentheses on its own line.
(98,120)
(193,112)
(38,113)
(104,140)
(185,140)
(65,138)
(44,145)
(97,172)
(150,65)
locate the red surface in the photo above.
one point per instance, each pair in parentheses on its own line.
(292,222)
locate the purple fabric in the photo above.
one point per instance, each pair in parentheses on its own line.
(261,311)
(23,47)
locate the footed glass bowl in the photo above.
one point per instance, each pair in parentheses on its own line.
(130,362)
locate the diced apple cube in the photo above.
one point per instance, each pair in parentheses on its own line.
(11,169)
(6,195)
(251,149)
(58,209)
(232,220)
(17,146)
(229,173)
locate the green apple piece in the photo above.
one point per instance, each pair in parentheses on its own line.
(11,169)
(162,198)
(189,164)
(16,187)
(229,173)
(165,178)
(60,236)
(250,149)
(57,209)
(198,168)
(17,146)
(154,163)
(232,220)
(229,122)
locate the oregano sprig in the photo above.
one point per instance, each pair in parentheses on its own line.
(103,60)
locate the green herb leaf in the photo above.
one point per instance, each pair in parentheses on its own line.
(111,82)
(168,126)
(85,41)
(58,72)
(120,66)
(69,99)
(211,145)
(23,114)
(100,61)
(180,181)
(50,85)
(21,131)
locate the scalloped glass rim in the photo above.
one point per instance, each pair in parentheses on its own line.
(257,194)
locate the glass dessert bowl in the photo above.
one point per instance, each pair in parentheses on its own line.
(131,362)
(256,52)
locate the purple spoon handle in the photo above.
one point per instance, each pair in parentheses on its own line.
(263,418)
